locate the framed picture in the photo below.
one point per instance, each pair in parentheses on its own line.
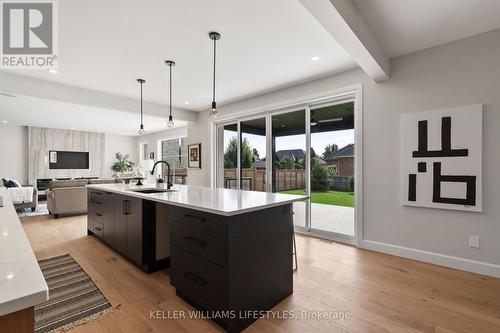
(151,156)
(442,158)
(194,154)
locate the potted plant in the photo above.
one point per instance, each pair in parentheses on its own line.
(122,164)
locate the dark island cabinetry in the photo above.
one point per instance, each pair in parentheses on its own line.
(127,225)
(232,266)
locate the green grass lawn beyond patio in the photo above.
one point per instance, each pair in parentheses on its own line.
(336,198)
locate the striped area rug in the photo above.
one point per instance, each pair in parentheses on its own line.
(73,297)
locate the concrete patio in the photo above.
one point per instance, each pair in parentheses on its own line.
(328,218)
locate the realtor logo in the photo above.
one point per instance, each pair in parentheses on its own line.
(29,34)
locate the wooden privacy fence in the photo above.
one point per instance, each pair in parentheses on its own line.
(255,179)
(340,183)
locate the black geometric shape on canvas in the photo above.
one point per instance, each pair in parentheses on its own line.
(412,187)
(422,167)
(470,193)
(446,150)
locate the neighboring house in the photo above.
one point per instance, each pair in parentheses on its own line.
(298,154)
(343,160)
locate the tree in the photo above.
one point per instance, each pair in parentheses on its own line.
(287,162)
(231,154)
(330,150)
(320,178)
(255,154)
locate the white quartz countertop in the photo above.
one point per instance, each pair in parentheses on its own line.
(22,284)
(212,200)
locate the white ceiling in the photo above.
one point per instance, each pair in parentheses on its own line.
(40,112)
(265,45)
(404,26)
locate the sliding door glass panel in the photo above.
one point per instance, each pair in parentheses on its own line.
(332,169)
(253,154)
(174,152)
(288,158)
(229,147)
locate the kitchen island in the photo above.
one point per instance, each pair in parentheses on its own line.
(230,251)
(22,285)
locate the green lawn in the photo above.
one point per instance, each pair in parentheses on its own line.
(336,198)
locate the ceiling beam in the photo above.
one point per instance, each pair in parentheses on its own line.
(343,21)
(26,86)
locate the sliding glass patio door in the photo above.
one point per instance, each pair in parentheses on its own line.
(332,168)
(306,151)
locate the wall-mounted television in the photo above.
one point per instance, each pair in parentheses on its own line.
(68,160)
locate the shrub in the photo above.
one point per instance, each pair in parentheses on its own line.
(320,177)
(351,183)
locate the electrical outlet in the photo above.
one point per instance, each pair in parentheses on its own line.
(474,241)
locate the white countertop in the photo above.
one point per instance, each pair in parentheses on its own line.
(212,200)
(21,281)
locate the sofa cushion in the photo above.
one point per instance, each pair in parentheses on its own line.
(102,181)
(68,183)
(9,183)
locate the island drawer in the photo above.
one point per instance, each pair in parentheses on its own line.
(200,281)
(202,220)
(98,229)
(205,244)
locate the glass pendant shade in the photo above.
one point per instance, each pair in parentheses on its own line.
(141,130)
(170,123)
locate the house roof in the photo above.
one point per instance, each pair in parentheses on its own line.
(346,151)
(298,154)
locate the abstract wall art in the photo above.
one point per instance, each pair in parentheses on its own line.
(442,158)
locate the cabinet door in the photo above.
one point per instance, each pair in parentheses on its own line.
(120,223)
(90,211)
(108,219)
(133,212)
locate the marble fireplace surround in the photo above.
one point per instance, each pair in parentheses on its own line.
(41,140)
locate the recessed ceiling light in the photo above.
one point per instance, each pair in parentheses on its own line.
(72,128)
(53,71)
(186,102)
(6,94)
(5,121)
(315,58)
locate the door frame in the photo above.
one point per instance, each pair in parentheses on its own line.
(354,93)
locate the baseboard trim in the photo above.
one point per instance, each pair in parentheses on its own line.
(463,264)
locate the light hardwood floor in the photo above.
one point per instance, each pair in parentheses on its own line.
(382,293)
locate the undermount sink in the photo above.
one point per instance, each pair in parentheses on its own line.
(152,190)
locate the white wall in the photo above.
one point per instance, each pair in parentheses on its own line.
(14,152)
(460,73)
(118,143)
(153,139)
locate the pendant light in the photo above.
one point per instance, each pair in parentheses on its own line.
(170,123)
(141,128)
(215,36)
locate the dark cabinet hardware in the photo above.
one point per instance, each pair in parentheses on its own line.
(127,207)
(98,214)
(195,278)
(195,241)
(195,217)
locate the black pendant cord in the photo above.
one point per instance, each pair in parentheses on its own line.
(215,53)
(141,128)
(142,124)
(170,115)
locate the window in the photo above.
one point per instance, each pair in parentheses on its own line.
(174,152)
(144,151)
